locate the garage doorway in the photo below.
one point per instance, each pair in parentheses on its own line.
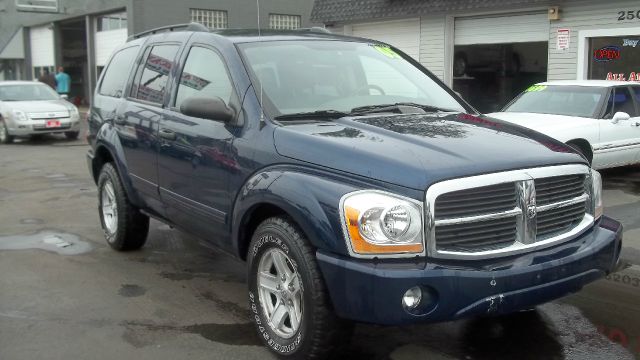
(73,57)
(496,58)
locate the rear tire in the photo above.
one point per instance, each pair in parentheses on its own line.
(301,295)
(72,135)
(125,227)
(5,137)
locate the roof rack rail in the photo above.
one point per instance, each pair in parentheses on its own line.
(316,29)
(193,26)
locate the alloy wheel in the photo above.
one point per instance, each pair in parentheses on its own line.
(109,208)
(280,292)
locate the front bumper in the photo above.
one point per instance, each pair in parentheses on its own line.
(34,127)
(372,291)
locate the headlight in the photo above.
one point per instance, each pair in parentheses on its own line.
(596,194)
(378,223)
(73,113)
(19,115)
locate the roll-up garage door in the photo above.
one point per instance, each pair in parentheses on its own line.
(502,29)
(404,34)
(42,53)
(107,42)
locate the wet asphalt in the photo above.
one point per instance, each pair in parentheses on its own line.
(65,295)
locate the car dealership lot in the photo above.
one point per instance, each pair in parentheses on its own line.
(65,294)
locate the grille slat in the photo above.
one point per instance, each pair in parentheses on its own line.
(494,234)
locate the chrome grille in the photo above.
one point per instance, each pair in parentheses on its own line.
(560,220)
(49,115)
(506,213)
(475,201)
(558,188)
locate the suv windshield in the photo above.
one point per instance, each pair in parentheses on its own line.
(27,92)
(310,76)
(579,101)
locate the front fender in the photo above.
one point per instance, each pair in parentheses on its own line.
(107,138)
(310,200)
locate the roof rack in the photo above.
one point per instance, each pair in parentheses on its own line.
(184,27)
(316,29)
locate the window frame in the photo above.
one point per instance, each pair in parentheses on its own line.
(125,85)
(234,99)
(137,75)
(612,92)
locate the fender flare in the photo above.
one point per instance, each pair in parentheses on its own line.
(107,139)
(310,200)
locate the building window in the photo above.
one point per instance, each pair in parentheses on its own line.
(614,58)
(112,21)
(284,22)
(213,19)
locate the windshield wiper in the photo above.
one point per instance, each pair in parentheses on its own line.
(370,109)
(320,114)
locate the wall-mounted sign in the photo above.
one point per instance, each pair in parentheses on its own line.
(630,42)
(564,37)
(606,53)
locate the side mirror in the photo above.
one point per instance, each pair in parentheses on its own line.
(620,116)
(211,108)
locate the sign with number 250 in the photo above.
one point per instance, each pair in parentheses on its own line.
(629,15)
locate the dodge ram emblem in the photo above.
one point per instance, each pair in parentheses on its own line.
(531,211)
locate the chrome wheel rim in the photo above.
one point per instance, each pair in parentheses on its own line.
(109,208)
(280,293)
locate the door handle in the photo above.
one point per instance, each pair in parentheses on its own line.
(167,134)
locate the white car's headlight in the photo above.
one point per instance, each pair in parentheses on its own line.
(378,223)
(19,115)
(596,194)
(74,113)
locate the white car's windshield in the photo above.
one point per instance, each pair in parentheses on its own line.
(310,76)
(581,101)
(27,92)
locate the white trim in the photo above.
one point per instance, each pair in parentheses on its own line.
(583,48)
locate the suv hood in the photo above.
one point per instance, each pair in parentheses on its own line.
(418,150)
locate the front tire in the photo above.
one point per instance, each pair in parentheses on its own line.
(125,227)
(5,137)
(289,302)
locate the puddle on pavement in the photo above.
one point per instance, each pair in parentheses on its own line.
(243,334)
(131,290)
(48,240)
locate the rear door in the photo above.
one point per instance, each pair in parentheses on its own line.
(194,159)
(619,140)
(138,119)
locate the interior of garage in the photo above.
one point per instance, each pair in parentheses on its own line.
(73,53)
(488,76)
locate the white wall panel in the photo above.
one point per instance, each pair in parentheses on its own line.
(403,34)
(42,53)
(107,42)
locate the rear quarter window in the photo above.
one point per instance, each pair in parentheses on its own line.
(117,72)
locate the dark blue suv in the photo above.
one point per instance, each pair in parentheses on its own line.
(355,184)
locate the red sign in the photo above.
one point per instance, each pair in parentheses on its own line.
(607,53)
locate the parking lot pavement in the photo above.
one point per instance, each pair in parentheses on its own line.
(65,295)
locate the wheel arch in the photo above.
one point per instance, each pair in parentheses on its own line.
(298,196)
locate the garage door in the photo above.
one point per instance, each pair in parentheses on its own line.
(502,29)
(404,34)
(107,42)
(41,46)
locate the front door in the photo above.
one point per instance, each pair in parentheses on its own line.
(619,140)
(194,158)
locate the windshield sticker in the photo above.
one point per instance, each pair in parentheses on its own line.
(536,88)
(386,51)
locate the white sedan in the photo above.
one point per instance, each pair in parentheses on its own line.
(30,108)
(598,118)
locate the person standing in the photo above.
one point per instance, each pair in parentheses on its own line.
(64,82)
(47,78)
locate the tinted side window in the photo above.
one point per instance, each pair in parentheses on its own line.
(151,78)
(117,72)
(204,75)
(621,100)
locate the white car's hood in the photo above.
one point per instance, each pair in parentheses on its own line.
(545,123)
(37,106)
